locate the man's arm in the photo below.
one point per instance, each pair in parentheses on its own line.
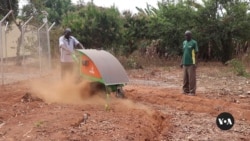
(183,44)
(196,58)
(77,43)
(196,54)
(80,45)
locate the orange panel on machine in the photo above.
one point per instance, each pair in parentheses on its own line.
(89,68)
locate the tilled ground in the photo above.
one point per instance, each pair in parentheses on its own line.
(154,109)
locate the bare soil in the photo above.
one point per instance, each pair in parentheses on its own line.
(154,109)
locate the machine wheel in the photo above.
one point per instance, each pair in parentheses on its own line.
(120,92)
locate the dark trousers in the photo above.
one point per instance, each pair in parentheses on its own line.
(189,79)
(67,68)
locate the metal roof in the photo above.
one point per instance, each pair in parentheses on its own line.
(109,67)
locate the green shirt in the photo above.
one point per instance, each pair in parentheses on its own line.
(189,50)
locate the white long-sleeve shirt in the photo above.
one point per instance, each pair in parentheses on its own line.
(69,45)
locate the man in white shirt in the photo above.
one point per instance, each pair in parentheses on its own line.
(67,44)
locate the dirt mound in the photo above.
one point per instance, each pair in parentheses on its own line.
(29,98)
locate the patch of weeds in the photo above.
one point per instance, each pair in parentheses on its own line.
(132,64)
(238,67)
(167,69)
(39,124)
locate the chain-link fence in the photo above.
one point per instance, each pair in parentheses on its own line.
(24,51)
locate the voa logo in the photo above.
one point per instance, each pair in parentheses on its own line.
(225,121)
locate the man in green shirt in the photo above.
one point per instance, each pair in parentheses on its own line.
(189,62)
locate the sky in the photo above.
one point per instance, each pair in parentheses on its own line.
(120,4)
(124,4)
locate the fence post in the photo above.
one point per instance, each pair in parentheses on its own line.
(49,51)
(39,47)
(23,26)
(2,73)
(6,49)
(2,50)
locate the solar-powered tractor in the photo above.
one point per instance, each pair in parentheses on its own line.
(102,69)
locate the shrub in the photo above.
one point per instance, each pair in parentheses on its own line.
(238,67)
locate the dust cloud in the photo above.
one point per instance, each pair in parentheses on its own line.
(127,104)
(66,91)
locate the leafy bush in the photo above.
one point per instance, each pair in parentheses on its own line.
(131,63)
(238,67)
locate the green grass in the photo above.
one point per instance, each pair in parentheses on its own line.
(238,67)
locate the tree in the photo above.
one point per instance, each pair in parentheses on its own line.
(218,23)
(221,22)
(168,23)
(95,27)
(6,6)
(134,31)
(56,9)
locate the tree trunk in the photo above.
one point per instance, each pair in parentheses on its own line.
(246,45)
(227,48)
